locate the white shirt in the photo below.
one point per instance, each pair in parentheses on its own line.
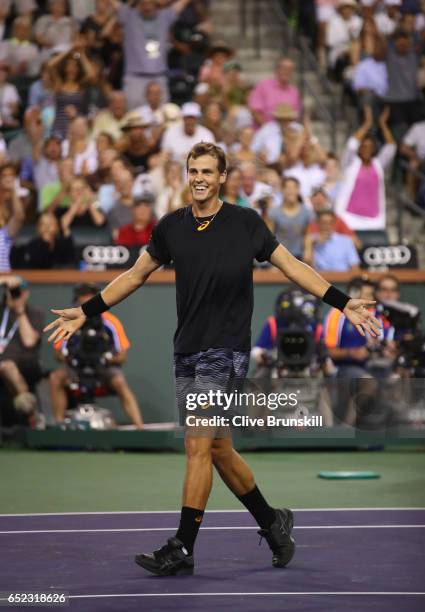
(260,191)
(87,158)
(415,138)
(178,144)
(385,24)
(269,140)
(309,178)
(8,96)
(340,32)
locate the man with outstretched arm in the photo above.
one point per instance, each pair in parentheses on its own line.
(212,245)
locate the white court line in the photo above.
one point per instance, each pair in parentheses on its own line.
(296,593)
(123,530)
(111,512)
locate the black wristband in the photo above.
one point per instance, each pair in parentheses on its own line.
(336,298)
(95,306)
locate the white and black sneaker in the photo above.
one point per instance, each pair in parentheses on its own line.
(170,560)
(279,538)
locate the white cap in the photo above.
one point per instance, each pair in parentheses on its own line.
(393,2)
(191,109)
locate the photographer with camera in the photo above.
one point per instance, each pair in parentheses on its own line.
(20,340)
(96,355)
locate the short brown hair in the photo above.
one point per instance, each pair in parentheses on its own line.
(207,148)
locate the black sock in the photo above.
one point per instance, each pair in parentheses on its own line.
(190,521)
(255,503)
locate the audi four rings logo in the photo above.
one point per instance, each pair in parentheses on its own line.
(108,255)
(387,255)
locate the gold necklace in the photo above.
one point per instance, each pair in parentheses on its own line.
(202,225)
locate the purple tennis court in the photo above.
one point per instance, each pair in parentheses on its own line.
(351,560)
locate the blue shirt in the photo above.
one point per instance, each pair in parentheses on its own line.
(338,254)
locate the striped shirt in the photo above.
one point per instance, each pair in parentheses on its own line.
(6,242)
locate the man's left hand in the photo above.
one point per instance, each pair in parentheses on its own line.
(359,314)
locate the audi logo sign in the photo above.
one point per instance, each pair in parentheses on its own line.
(96,256)
(390,256)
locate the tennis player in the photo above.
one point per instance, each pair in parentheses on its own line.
(212,245)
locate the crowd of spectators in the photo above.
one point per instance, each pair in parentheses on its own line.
(100,102)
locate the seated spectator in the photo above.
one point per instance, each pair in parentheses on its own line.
(169,196)
(342,36)
(137,149)
(109,120)
(212,71)
(154,108)
(83,209)
(292,218)
(21,55)
(241,151)
(232,187)
(9,99)
(20,147)
(213,120)
(332,182)
(309,167)
(118,212)
(41,94)
(80,147)
(387,21)
(55,196)
(252,188)
(269,93)
(56,28)
(329,251)
(48,250)
(112,375)
(361,201)
(45,159)
(12,214)
(413,148)
(102,176)
(320,201)
(20,345)
(276,141)
(179,139)
(139,231)
(235,90)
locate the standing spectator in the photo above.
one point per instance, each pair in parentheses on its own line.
(110,119)
(403,94)
(19,52)
(48,250)
(291,219)
(138,233)
(56,28)
(12,214)
(329,251)
(71,72)
(9,99)
(361,201)
(387,20)
(180,138)
(342,36)
(146,29)
(269,93)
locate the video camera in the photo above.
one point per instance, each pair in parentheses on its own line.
(405,318)
(87,353)
(297,314)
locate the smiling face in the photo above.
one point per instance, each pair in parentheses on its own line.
(204,178)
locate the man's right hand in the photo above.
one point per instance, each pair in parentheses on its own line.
(70,320)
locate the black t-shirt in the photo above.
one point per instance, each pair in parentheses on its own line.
(214,286)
